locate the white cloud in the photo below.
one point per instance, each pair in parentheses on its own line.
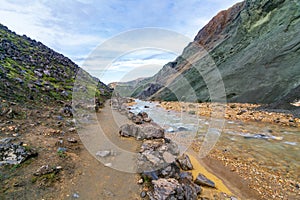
(75,28)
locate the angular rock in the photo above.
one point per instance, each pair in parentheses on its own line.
(152,157)
(143,115)
(103,154)
(141,132)
(170,171)
(186,175)
(147,119)
(137,120)
(191,190)
(185,162)
(203,181)
(45,169)
(14,153)
(166,189)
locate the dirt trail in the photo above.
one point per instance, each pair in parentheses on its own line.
(96,180)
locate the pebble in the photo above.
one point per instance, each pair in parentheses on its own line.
(58,167)
(72,140)
(143,194)
(75,195)
(141,181)
(108,165)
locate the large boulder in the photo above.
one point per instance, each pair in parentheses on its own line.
(141,132)
(171,188)
(166,189)
(159,156)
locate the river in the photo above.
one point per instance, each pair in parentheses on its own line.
(272,147)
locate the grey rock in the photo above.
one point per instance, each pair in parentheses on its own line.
(14,153)
(72,140)
(166,189)
(103,154)
(152,156)
(186,175)
(185,162)
(141,132)
(203,181)
(45,169)
(137,120)
(143,194)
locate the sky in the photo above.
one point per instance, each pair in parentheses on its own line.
(79,28)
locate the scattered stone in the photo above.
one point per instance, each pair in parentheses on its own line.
(171,171)
(137,120)
(75,195)
(143,194)
(203,181)
(72,140)
(45,169)
(170,130)
(14,153)
(72,129)
(143,115)
(181,128)
(58,167)
(148,120)
(185,162)
(141,181)
(186,175)
(130,115)
(108,165)
(192,112)
(103,154)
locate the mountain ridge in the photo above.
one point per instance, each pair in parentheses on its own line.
(255,47)
(31,71)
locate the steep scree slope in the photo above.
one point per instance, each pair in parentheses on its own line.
(255,46)
(30,70)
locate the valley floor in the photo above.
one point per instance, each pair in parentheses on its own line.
(72,172)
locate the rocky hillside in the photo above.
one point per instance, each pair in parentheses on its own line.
(30,71)
(255,46)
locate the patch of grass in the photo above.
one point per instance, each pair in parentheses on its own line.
(50,178)
(34,179)
(61,154)
(15,167)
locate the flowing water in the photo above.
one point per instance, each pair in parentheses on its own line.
(272,146)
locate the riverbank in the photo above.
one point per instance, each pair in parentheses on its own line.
(272,174)
(235,111)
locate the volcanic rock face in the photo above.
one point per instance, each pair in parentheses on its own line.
(255,46)
(31,71)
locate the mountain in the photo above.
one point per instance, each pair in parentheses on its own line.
(32,72)
(255,46)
